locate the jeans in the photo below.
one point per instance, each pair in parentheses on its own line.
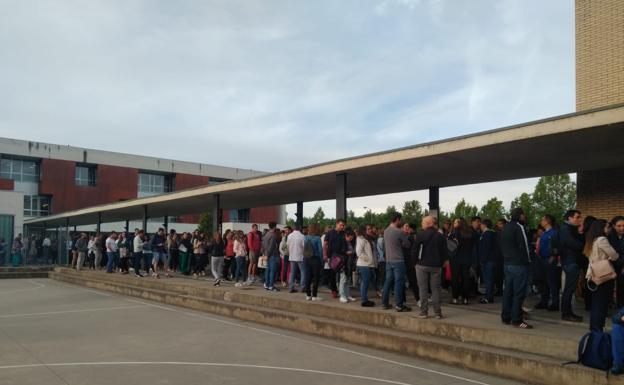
(80,261)
(294,267)
(109,262)
(216,265)
(516,279)
(487,270)
(395,273)
(617,344)
(271,270)
(138,257)
(343,285)
(98,258)
(554,283)
(368,276)
(148,261)
(429,277)
(241,264)
(285,269)
(601,298)
(571,271)
(313,270)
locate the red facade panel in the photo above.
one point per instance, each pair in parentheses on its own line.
(7,184)
(264,214)
(184,181)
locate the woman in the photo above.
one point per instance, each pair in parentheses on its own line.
(172,250)
(91,252)
(240,255)
(366,264)
(184,249)
(343,285)
(122,246)
(199,251)
(217,253)
(313,259)
(583,291)
(462,261)
(598,248)
(229,254)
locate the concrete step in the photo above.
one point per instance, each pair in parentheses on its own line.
(510,363)
(24,272)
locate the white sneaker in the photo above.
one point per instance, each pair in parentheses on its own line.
(308,298)
(238,284)
(351,299)
(418,303)
(343,300)
(316,299)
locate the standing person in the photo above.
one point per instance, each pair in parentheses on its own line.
(410,265)
(548,254)
(111,251)
(97,250)
(184,249)
(335,244)
(313,259)
(462,261)
(499,273)
(91,252)
(381,261)
(199,253)
(329,274)
(158,251)
(32,249)
(229,254)
(16,251)
(253,246)
(147,253)
(395,240)
(270,248)
(137,247)
(2,252)
(517,260)
(46,249)
(123,246)
(283,247)
(488,248)
(598,248)
(616,238)
(240,256)
(74,251)
(365,249)
(295,254)
(172,250)
(217,255)
(82,248)
(570,244)
(430,253)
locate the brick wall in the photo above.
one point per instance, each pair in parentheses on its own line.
(601,193)
(599,53)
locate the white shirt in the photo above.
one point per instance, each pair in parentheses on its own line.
(137,244)
(295,245)
(111,245)
(46,242)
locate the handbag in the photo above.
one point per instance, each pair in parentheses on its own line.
(337,262)
(600,272)
(263,262)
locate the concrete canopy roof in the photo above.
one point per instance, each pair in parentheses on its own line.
(581,141)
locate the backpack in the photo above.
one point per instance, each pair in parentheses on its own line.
(308,249)
(595,350)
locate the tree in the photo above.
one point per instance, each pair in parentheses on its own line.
(554,195)
(525,201)
(412,212)
(319,216)
(493,210)
(464,210)
(205,223)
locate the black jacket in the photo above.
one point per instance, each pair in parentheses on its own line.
(488,247)
(570,244)
(466,252)
(434,250)
(515,244)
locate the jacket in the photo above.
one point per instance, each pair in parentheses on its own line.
(466,247)
(240,250)
(364,251)
(269,244)
(570,244)
(488,247)
(253,242)
(515,244)
(434,249)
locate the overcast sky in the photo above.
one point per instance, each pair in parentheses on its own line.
(273,85)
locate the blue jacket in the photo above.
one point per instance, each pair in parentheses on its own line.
(545,243)
(316,245)
(570,244)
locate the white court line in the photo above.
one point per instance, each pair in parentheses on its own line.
(38,286)
(300,370)
(70,311)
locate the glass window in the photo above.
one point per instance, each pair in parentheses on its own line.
(19,170)
(36,205)
(154,183)
(85,176)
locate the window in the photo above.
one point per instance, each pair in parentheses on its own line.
(19,170)
(153,184)
(240,215)
(85,176)
(36,205)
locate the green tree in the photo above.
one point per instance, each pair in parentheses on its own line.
(493,209)
(464,210)
(205,223)
(525,201)
(319,216)
(412,212)
(554,195)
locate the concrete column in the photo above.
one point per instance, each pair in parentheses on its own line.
(434,202)
(299,214)
(166,223)
(98,225)
(341,196)
(145,218)
(217,213)
(127,226)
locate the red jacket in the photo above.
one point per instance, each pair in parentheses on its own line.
(253,242)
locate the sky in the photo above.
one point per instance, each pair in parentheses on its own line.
(274,85)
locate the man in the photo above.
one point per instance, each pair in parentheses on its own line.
(82,248)
(111,250)
(395,240)
(499,274)
(97,245)
(283,248)
(47,242)
(271,250)
(487,250)
(158,252)
(410,264)
(335,243)
(253,245)
(549,260)
(16,250)
(137,248)
(430,254)
(616,238)
(570,244)
(295,252)
(475,223)
(516,265)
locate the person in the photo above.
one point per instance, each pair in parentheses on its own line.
(271,250)
(184,251)
(253,248)
(616,238)
(123,245)
(2,251)
(295,245)
(217,255)
(229,254)
(395,240)
(199,254)
(516,265)
(570,244)
(430,253)
(137,248)
(16,251)
(381,261)
(97,245)
(463,261)
(313,259)
(410,266)
(74,251)
(240,256)
(147,253)
(488,250)
(33,252)
(111,250)
(91,252)
(158,252)
(366,251)
(617,342)
(549,260)
(81,247)
(172,250)
(345,272)
(283,248)
(46,244)
(598,248)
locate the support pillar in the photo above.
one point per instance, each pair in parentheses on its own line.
(217,213)
(166,223)
(299,215)
(127,226)
(145,218)
(341,196)
(434,202)
(98,225)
